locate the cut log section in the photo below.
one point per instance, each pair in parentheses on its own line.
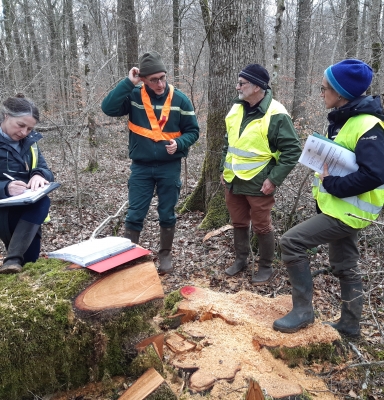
(125,288)
(156,340)
(254,391)
(178,343)
(217,232)
(203,380)
(144,386)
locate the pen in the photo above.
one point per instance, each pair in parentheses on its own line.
(8,176)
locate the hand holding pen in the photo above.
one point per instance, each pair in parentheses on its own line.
(15,187)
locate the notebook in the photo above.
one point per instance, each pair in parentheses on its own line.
(93,250)
(29,196)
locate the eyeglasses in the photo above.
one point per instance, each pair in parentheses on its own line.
(155,81)
(241,83)
(323,89)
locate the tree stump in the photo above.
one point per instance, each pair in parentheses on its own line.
(61,328)
(234,343)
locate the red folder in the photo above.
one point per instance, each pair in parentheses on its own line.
(117,260)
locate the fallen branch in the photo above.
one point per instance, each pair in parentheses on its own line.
(364,219)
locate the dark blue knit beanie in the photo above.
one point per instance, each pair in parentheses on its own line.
(256,74)
(350,78)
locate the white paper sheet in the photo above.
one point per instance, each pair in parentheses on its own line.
(319,150)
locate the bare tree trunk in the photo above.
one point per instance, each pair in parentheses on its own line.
(20,51)
(176,42)
(280,7)
(351,29)
(76,105)
(9,42)
(40,86)
(206,17)
(301,86)
(376,44)
(127,45)
(363,32)
(92,138)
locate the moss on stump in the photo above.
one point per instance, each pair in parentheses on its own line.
(46,346)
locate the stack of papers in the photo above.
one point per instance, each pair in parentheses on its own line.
(93,250)
(319,150)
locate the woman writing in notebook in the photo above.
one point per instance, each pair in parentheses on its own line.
(21,167)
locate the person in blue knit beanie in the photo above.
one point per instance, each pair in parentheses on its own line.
(355,122)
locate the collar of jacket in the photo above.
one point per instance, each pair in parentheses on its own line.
(152,94)
(262,106)
(25,143)
(361,105)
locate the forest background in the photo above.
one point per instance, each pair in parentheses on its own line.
(66,55)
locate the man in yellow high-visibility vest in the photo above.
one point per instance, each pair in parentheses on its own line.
(261,148)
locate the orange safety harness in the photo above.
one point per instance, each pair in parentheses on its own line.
(156,132)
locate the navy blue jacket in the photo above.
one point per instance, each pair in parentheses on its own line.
(19,166)
(369,149)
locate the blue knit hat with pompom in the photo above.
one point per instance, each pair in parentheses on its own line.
(350,78)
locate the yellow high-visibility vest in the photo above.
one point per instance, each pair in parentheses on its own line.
(35,157)
(249,154)
(366,205)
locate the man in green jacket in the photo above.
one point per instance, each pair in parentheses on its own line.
(162,126)
(261,148)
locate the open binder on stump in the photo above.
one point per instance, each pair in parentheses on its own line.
(101,254)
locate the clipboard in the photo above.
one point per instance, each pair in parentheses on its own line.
(29,196)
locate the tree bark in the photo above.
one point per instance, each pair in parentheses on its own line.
(127,43)
(280,7)
(301,86)
(176,42)
(351,29)
(376,45)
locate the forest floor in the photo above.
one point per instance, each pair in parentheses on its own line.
(202,263)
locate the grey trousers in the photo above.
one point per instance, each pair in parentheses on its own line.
(321,229)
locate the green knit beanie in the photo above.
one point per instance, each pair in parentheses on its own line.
(151,63)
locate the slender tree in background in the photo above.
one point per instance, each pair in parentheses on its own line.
(8,22)
(91,123)
(351,28)
(376,44)
(363,32)
(280,7)
(301,85)
(176,42)
(127,41)
(72,71)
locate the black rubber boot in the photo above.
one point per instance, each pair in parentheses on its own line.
(21,239)
(302,291)
(133,235)
(265,271)
(241,242)
(165,252)
(351,309)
